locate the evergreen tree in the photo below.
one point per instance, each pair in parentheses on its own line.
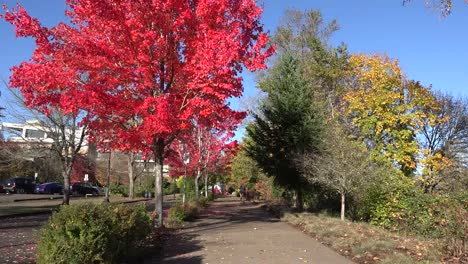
(288,124)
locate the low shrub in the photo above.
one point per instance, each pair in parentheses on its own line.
(453,224)
(397,204)
(170,188)
(177,214)
(180,213)
(93,233)
(210,196)
(119,190)
(203,202)
(189,189)
(192,209)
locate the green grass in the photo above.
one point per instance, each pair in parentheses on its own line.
(44,206)
(12,211)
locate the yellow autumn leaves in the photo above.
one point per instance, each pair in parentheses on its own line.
(388,110)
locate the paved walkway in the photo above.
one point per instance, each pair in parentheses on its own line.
(232,233)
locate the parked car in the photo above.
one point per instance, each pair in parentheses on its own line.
(19,185)
(49,187)
(98,187)
(83,188)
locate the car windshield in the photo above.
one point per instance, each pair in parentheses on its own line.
(10,181)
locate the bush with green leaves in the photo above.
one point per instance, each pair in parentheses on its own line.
(395,202)
(192,209)
(119,190)
(181,213)
(210,196)
(144,187)
(93,233)
(189,189)
(177,214)
(170,188)
(453,223)
(203,201)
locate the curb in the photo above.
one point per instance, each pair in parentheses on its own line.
(44,198)
(37,199)
(133,201)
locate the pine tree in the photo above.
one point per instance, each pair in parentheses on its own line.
(288,124)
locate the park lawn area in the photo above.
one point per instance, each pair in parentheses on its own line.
(364,243)
(47,206)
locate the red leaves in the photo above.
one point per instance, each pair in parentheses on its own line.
(143,70)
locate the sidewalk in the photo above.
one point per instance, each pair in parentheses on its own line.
(228,232)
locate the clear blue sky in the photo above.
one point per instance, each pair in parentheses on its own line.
(430,49)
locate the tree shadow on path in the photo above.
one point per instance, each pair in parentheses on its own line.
(186,247)
(178,248)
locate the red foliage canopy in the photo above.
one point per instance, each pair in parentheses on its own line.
(206,148)
(143,70)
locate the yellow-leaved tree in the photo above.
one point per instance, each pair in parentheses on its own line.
(386,109)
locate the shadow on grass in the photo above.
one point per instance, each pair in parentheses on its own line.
(17,211)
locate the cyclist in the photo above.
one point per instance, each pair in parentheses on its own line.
(242,193)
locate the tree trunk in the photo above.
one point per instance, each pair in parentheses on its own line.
(299,199)
(158,184)
(343,199)
(206,185)
(184,195)
(109,161)
(131,158)
(197,195)
(66,186)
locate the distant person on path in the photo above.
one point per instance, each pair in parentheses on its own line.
(242,193)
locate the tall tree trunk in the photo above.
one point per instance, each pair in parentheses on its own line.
(66,185)
(158,184)
(131,158)
(299,199)
(197,195)
(343,199)
(206,185)
(184,195)
(109,168)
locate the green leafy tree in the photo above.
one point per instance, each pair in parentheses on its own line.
(306,35)
(288,123)
(244,169)
(342,165)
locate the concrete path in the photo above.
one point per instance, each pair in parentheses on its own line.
(229,232)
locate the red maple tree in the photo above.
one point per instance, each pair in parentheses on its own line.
(206,149)
(142,69)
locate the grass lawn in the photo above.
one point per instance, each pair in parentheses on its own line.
(364,243)
(44,206)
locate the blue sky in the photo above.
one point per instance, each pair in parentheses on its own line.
(430,49)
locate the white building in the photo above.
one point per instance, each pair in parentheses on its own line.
(34,131)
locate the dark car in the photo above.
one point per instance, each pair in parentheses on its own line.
(83,188)
(2,190)
(19,185)
(49,187)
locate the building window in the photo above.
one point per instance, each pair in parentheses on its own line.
(30,133)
